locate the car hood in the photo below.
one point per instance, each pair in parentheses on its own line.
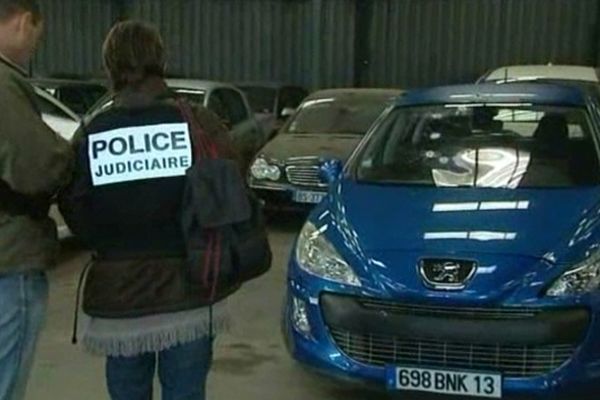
(384,232)
(338,146)
(529,222)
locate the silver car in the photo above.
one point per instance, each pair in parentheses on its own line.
(225,100)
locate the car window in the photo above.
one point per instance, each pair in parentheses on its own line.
(80,98)
(233,106)
(47,107)
(261,99)
(521,121)
(290,97)
(479,146)
(217,105)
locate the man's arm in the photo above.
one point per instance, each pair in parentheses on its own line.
(34,160)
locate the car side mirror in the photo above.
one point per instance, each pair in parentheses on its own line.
(287,112)
(331,170)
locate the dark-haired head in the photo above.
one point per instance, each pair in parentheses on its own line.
(133,52)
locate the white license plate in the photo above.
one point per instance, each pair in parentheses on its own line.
(446,382)
(303,196)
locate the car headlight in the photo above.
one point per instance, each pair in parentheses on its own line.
(584,278)
(317,256)
(262,170)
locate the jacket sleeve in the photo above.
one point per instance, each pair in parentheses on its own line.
(34,160)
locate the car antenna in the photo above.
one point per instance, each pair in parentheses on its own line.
(506,75)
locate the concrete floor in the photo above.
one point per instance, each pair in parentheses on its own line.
(251,362)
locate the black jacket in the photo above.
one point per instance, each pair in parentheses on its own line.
(134,225)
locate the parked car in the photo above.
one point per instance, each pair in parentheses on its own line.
(520,73)
(329,123)
(273,102)
(78,95)
(225,100)
(584,77)
(457,252)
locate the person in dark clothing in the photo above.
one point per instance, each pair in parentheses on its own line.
(125,202)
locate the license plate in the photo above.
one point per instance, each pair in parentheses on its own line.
(303,196)
(446,382)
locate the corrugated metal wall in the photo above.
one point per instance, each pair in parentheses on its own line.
(425,42)
(337,43)
(313,42)
(75,30)
(234,40)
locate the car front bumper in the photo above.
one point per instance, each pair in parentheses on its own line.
(577,377)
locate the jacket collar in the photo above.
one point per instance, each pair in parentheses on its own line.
(5,60)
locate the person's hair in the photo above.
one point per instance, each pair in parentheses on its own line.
(132,52)
(9,8)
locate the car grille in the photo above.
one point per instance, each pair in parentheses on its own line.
(304,176)
(450,312)
(513,361)
(304,172)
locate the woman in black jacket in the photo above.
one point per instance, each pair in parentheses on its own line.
(126,203)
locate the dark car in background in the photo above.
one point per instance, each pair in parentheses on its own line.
(329,124)
(79,95)
(273,102)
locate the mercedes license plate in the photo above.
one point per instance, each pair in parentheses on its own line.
(456,383)
(307,197)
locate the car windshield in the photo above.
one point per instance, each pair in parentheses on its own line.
(261,99)
(345,115)
(482,146)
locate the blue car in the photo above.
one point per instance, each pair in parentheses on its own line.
(458,251)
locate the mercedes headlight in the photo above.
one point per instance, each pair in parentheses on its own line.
(317,256)
(262,170)
(584,278)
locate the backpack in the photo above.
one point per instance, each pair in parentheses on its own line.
(224,230)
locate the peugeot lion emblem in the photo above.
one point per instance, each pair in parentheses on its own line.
(443,274)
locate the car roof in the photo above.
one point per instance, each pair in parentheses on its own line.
(339,93)
(267,84)
(553,72)
(547,94)
(198,84)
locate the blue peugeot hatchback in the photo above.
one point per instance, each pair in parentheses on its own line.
(458,251)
